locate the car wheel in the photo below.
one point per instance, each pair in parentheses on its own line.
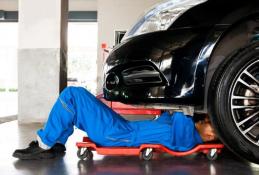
(234,102)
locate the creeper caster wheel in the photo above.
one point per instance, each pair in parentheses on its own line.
(147,154)
(212,154)
(84,154)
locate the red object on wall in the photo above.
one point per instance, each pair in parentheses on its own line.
(103,45)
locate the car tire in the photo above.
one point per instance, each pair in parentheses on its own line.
(233,103)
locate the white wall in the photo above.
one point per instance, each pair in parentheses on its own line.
(74,5)
(82,5)
(117,15)
(9,5)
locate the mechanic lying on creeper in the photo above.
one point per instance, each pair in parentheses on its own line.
(77,107)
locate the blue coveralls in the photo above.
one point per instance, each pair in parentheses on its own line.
(77,107)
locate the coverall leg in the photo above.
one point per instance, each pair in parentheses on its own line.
(77,107)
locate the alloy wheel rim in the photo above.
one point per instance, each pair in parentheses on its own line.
(245,101)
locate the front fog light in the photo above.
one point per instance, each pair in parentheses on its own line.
(112,81)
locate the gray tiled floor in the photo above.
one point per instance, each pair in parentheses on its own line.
(14,136)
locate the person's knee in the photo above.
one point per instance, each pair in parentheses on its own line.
(66,91)
(78,91)
(74,91)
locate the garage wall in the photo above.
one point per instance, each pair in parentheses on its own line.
(82,5)
(116,15)
(9,5)
(74,5)
(112,15)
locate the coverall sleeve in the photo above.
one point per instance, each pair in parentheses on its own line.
(184,135)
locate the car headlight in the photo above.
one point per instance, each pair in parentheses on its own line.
(161,16)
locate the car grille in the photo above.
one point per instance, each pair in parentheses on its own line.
(145,74)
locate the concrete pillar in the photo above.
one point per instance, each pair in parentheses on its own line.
(42,55)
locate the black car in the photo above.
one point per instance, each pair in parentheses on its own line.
(195,55)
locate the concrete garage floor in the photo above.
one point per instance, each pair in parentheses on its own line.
(14,136)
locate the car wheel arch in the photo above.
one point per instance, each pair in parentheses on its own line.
(233,39)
